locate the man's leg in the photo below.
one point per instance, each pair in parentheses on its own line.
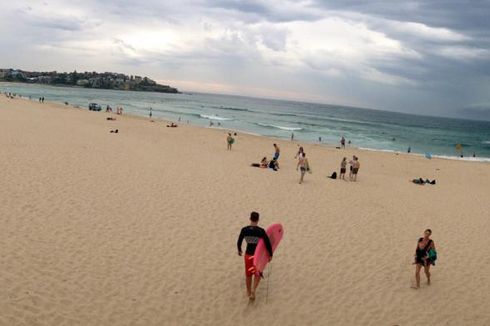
(249,285)
(256,284)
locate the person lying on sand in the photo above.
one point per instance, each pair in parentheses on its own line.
(263,163)
(172,125)
(423,257)
(115,131)
(252,234)
(422,182)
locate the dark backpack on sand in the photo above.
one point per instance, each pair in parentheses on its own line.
(333,176)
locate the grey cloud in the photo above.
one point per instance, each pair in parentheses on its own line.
(53,21)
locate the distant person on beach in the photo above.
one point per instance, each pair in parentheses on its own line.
(252,234)
(273,165)
(229,140)
(349,142)
(320,139)
(355,168)
(343,166)
(292,136)
(409,150)
(342,142)
(263,163)
(210,123)
(277,152)
(303,166)
(300,152)
(424,257)
(351,164)
(151,113)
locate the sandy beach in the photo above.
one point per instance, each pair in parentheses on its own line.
(140,228)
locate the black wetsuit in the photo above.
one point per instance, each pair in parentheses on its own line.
(252,235)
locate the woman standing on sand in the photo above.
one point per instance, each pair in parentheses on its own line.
(424,245)
(303,165)
(343,166)
(355,168)
(230,140)
(300,152)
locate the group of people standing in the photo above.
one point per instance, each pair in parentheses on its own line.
(354,168)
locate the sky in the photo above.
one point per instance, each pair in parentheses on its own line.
(424,57)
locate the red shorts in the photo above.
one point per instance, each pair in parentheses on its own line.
(249,265)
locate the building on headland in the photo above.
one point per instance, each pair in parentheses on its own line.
(106,80)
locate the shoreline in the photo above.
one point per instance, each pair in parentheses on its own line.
(325,144)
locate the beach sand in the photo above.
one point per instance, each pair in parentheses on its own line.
(140,228)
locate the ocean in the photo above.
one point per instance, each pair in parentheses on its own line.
(365,128)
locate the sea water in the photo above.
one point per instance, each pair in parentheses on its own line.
(365,128)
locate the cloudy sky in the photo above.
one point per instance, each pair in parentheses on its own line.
(428,57)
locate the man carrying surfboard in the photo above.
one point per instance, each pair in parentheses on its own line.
(252,234)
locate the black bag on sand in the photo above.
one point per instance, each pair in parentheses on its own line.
(333,176)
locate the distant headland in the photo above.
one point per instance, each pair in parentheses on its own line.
(105,80)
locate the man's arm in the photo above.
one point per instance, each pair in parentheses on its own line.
(268,245)
(239,243)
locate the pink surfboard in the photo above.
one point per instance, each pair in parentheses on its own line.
(261,257)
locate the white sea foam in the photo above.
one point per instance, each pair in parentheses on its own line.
(280,127)
(214,117)
(445,157)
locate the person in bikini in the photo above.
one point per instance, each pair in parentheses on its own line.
(343,166)
(355,165)
(303,166)
(422,257)
(252,234)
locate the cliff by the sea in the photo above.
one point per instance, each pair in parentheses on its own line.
(105,80)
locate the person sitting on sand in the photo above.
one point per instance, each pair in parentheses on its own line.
(343,166)
(273,165)
(303,166)
(229,140)
(252,234)
(422,257)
